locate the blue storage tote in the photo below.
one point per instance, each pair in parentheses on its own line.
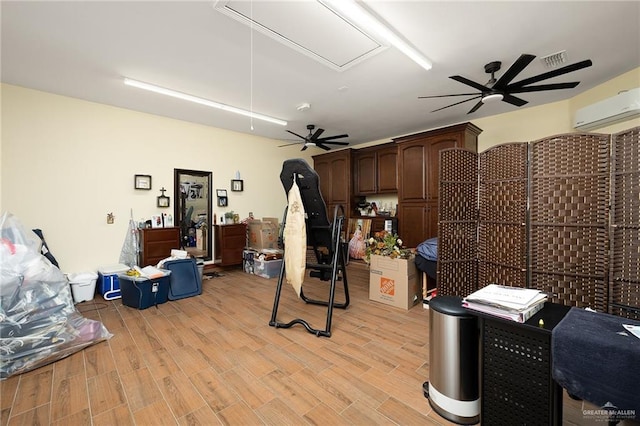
(108,283)
(141,293)
(185,278)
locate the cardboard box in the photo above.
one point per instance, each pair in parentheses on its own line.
(263,234)
(394,282)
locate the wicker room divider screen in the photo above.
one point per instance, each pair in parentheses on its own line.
(624,263)
(458,220)
(561,214)
(502,230)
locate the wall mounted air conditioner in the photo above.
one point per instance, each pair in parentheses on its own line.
(623,106)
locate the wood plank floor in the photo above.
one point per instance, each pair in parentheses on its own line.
(214,359)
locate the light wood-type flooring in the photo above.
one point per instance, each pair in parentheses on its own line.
(213,359)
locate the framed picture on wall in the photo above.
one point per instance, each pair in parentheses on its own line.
(163,201)
(237,185)
(142,182)
(222,202)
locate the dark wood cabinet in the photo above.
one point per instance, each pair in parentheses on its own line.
(418,168)
(364,172)
(334,170)
(387,168)
(375,170)
(156,244)
(230,241)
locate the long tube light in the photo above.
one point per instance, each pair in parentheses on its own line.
(202,101)
(352,12)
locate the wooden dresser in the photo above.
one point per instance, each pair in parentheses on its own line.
(156,244)
(230,242)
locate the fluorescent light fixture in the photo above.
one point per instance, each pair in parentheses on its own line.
(202,101)
(494,97)
(352,12)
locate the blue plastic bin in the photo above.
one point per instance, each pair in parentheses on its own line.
(142,293)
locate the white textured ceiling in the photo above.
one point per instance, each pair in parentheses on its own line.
(85,49)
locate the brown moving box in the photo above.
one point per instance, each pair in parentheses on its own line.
(263,234)
(394,282)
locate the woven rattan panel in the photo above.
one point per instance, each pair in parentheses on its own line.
(569,223)
(624,275)
(502,247)
(457,222)
(516,375)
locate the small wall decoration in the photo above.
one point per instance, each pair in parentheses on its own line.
(222,197)
(163,200)
(142,182)
(237,185)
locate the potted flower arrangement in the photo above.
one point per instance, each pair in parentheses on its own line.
(384,243)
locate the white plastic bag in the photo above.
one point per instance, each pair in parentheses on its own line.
(38,321)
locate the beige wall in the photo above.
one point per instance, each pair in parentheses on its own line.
(66,163)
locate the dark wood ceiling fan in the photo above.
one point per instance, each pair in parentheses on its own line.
(314,139)
(502,89)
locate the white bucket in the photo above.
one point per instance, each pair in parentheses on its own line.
(83,286)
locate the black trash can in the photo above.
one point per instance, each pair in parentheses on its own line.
(453,387)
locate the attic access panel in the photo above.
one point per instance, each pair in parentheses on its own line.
(307,27)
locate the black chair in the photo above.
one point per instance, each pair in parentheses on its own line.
(323,237)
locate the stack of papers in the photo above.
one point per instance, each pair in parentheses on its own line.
(152,272)
(512,303)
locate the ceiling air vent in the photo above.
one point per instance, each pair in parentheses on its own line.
(554,60)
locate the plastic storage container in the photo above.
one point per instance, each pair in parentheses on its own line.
(141,293)
(108,282)
(83,286)
(267,268)
(453,388)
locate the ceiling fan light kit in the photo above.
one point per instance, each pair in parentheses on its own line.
(493,97)
(202,101)
(503,89)
(314,139)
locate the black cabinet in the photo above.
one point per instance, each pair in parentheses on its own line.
(516,386)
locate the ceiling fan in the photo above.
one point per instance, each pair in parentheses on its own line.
(503,90)
(314,139)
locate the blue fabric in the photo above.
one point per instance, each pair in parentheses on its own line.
(428,249)
(596,359)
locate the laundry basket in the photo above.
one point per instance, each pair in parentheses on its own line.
(83,286)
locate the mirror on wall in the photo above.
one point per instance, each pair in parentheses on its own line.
(192,210)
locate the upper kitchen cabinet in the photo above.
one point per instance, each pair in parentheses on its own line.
(375,170)
(418,161)
(418,168)
(334,170)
